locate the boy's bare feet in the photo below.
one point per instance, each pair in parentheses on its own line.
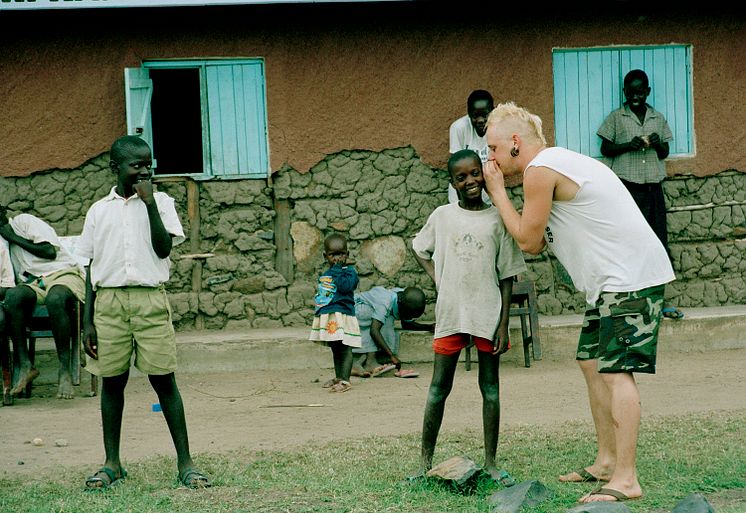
(65,389)
(360,373)
(26,377)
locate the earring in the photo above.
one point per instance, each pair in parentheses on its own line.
(514,152)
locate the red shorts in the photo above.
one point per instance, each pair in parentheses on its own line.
(452,344)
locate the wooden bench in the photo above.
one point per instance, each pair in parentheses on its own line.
(39,326)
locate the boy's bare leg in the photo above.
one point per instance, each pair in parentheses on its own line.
(444,368)
(60,303)
(489,386)
(19,302)
(5,359)
(173,410)
(625,411)
(112,408)
(599,397)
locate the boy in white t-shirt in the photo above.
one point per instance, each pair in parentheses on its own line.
(472,259)
(469,133)
(128,237)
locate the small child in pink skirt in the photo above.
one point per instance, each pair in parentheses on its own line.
(334,323)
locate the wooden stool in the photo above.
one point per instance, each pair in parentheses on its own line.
(524,297)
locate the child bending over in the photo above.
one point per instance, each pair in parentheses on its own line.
(334,323)
(472,259)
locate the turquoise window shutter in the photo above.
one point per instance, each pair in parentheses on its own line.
(237,119)
(138,90)
(588,86)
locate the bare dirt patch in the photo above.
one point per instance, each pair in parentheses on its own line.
(270,409)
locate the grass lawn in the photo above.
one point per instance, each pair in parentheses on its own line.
(678,456)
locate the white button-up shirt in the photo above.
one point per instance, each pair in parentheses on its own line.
(116,237)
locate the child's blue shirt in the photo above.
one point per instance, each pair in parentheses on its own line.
(336,290)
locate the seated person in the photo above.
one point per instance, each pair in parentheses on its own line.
(7,281)
(376,310)
(46,273)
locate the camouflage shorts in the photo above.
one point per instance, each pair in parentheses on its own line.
(621,331)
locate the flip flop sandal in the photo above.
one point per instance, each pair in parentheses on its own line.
(505,479)
(585,477)
(382,369)
(194,479)
(113,479)
(406,373)
(341,386)
(618,496)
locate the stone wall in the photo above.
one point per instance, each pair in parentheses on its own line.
(258,245)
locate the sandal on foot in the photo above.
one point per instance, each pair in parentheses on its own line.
(330,383)
(382,369)
(341,386)
(92,483)
(616,494)
(505,479)
(194,479)
(585,477)
(406,373)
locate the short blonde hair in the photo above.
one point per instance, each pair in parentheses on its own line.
(510,119)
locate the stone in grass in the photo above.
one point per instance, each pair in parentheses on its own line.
(601,507)
(694,503)
(458,471)
(513,499)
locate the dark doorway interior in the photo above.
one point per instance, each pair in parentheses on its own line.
(177,121)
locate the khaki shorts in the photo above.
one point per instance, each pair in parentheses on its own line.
(621,331)
(133,321)
(72,278)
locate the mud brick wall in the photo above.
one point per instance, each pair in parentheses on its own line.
(265,237)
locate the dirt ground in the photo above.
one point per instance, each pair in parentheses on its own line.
(272,410)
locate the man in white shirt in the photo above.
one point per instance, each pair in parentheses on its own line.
(469,133)
(579,208)
(47,274)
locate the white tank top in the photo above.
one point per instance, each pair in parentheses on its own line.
(600,236)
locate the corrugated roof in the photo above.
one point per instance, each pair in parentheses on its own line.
(94,4)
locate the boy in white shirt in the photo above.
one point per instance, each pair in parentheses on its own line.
(46,273)
(469,133)
(472,259)
(128,236)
